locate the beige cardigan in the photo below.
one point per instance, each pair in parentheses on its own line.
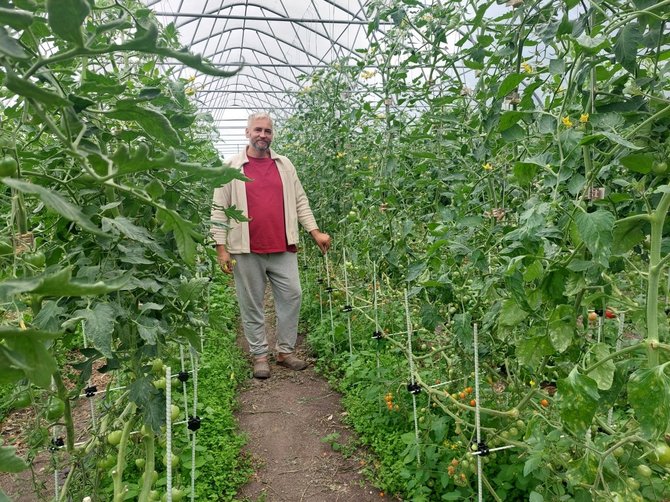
(234,235)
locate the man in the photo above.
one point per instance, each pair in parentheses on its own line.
(264,248)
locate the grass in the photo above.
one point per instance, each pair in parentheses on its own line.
(223,368)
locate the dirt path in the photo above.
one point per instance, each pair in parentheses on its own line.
(287,418)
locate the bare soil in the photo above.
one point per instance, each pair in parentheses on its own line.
(301,449)
(37,483)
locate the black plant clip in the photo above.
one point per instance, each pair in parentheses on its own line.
(378,335)
(347,308)
(56,443)
(414,388)
(182,376)
(329,289)
(90,391)
(193,423)
(480,448)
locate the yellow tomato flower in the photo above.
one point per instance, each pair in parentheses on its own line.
(487,166)
(567,122)
(584,118)
(527,68)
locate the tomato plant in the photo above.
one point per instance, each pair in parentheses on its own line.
(103,250)
(508,177)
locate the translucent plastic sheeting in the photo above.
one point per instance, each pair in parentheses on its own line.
(280,42)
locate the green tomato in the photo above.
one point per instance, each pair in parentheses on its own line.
(174,460)
(8,166)
(661,454)
(36,259)
(160,383)
(6,248)
(22,399)
(158,367)
(644,470)
(659,168)
(155,189)
(114,438)
(174,412)
(632,483)
(154,495)
(55,408)
(154,477)
(140,463)
(107,463)
(618,452)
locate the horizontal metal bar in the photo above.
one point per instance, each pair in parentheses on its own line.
(206,108)
(203,91)
(263,65)
(269,19)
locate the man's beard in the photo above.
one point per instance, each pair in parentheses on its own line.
(260,148)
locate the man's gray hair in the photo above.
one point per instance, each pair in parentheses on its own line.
(258,115)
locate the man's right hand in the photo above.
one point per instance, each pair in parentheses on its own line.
(225,261)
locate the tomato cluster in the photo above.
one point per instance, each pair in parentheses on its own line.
(389,402)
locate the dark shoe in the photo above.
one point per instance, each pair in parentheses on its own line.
(291,362)
(261,368)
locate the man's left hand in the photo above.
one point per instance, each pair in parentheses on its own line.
(322,240)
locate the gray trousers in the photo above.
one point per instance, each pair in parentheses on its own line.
(251,272)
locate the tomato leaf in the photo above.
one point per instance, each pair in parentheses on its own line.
(603,374)
(149,329)
(511,314)
(638,162)
(98,326)
(509,83)
(55,202)
(9,462)
(578,401)
(596,230)
(65,18)
(149,118)
(10,47)
(30,355)
(192,289)
(562,327)
(649,395)
(625,47)
(59,282)
(150,400)
(530,351)
(183,232)
(626,235)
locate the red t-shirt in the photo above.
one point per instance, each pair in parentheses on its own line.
(265,204)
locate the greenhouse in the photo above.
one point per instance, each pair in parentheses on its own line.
(334,250)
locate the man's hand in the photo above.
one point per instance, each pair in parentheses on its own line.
(322,240)
(225,261)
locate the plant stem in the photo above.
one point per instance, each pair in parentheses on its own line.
(657,220)
(117,473)
(625,350)
(149,467)
(67,413)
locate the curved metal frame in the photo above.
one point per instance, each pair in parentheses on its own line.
(272,81)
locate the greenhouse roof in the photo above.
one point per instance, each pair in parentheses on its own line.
(280,43)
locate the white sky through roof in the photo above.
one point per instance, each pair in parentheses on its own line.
(278,40)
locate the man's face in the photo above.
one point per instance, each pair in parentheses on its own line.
(260,135)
